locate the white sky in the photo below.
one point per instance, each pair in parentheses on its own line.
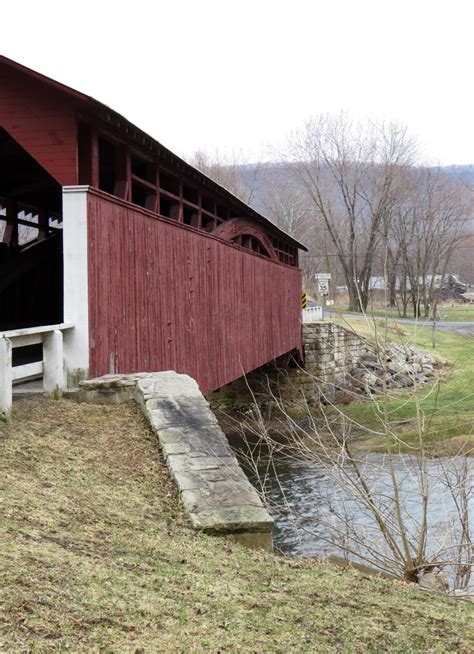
(240,75)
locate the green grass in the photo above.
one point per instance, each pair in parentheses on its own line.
(449,404)
(460,313)
(457,314)
(97,556)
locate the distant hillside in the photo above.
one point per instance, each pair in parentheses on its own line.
(464,173)
(256,176)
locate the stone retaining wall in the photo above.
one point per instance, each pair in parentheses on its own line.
(330,353)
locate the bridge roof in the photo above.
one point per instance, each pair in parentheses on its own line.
(134,134)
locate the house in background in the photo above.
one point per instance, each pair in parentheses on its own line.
(139,260)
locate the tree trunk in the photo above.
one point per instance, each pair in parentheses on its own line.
(354,303)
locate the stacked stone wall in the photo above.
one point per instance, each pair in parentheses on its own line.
(330,353)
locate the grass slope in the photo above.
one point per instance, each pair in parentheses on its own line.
(451,409)
(96,555)
(447,313)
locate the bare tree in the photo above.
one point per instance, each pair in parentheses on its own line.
(352,173)
(404,515)
(285,202)
(462,262)
(426,229)
(231,171)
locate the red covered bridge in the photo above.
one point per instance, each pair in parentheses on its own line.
(150,264)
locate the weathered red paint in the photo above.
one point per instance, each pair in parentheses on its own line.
(42,120)
(166,296)
(162,294)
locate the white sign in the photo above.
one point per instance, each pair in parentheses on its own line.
(323,286)
(323,276)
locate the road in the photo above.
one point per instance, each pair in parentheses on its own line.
(461,328)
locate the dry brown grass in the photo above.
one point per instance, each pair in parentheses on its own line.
(96,555)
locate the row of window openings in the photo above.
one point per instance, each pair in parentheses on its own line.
(146,197)
(167,207)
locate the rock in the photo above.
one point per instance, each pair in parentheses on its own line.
(396,366)
(369,358)
(405,366)
(420,378)
(369,379)
(396,384)
(358,372)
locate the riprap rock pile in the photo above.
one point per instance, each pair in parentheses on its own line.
(401,365)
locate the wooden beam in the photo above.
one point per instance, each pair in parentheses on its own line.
(199,225)
(10,235)
(181,212)
(156,207)
(94,158)
(88,155)
(143,182)
(123,174)
(43,224)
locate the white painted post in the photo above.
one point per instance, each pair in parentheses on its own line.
(76,291)
(53,364)
(6,379)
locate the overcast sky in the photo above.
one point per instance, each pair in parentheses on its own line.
(240,75)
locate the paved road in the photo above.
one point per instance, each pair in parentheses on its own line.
(461,328)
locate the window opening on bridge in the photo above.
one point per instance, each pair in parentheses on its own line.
(251,243)
(141,180)
(222,213)
(169,184)
(190,217)
(208,223)
(208,204)
(190,195)
(107,166)
(144,183)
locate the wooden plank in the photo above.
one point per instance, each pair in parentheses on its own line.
(13,333)
(27,371)
(28,339)
(163,296)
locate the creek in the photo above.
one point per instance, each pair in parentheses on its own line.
(314,509)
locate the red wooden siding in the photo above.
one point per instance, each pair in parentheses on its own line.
(164,296)
(43,122)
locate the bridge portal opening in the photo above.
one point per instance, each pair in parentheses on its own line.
(31,253)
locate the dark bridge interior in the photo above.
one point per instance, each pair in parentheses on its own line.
(31,259)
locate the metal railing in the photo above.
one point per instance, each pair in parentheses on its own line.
(50,367)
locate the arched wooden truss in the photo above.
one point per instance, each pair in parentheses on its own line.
(242,231)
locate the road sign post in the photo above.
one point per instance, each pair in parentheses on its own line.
(323,287)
